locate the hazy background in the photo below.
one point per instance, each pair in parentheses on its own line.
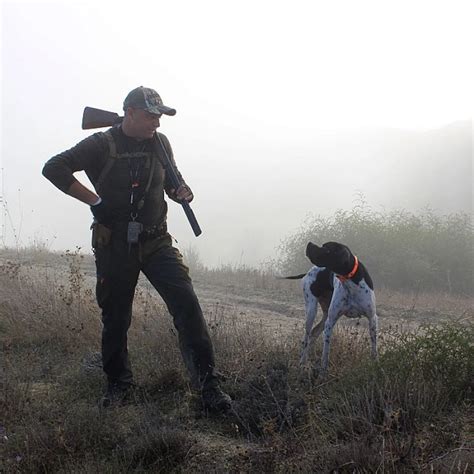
(285,109)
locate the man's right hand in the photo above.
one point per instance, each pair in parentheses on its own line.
(100,212)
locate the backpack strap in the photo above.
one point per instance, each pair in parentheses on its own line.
(148,184)
(113,156)
(110,160)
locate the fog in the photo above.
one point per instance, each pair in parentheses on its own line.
(285,109)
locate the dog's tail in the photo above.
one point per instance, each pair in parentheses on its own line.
(294,277)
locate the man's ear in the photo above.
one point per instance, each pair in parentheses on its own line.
(129,112)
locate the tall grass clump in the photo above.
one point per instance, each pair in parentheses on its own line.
(51,379)
(405,403)
(418,376)
(402,250)
(409,411)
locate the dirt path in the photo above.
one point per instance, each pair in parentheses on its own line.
(286,308)
(279,304)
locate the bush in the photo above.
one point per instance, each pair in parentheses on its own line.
(417,377)
(410,411)
(402,250)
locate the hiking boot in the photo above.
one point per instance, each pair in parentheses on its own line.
(215,399)
(117,393)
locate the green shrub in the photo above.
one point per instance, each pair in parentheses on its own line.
(402,250)
(416,378)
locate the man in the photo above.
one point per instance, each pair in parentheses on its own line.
(126,165)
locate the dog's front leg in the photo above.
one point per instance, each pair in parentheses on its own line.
(335,311)
(373,323)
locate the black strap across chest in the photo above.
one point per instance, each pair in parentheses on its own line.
(114,156)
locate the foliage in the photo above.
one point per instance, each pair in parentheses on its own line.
(401,249)
(410,411)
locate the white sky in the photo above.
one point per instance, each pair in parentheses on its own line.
(248,78)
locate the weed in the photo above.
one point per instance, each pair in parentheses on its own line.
(409,411)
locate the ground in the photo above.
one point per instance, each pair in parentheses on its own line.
(284,418)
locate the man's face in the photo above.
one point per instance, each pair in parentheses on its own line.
(143,123)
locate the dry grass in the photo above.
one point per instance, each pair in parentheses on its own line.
(409,412)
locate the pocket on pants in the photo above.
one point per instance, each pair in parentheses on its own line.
(101,235)
(102,263)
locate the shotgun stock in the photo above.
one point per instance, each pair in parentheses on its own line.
(97,118)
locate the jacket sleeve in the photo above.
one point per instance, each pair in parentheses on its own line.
(168,184)
(86,155)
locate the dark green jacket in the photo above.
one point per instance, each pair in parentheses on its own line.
(132,165)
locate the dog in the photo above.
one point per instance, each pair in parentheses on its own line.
(342,286)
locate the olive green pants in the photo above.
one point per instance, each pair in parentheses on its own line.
(118,268)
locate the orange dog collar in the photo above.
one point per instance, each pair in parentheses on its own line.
(344,278)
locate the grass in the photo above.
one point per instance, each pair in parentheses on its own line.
(411,411)
(404,250)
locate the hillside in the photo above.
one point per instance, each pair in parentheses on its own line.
(397,414)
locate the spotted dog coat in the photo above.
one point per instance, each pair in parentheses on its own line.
(342,286)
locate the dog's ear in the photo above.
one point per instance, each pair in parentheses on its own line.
(326,248)
(330,247)
(341,252)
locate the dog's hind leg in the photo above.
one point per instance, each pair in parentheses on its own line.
(324,302)
(311,309)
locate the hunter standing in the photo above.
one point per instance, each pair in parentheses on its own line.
(125,165)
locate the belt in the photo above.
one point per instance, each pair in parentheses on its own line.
(153,231)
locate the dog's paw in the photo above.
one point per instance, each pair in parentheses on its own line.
(322,373)
(304,361)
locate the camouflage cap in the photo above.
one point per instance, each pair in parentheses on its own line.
(147,99)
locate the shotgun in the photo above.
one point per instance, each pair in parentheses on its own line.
(97,118)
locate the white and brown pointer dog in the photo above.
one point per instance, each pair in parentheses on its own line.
(342,286)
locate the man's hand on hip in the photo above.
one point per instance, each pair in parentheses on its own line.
(100,212)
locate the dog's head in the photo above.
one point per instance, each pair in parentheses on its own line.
(333,255)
